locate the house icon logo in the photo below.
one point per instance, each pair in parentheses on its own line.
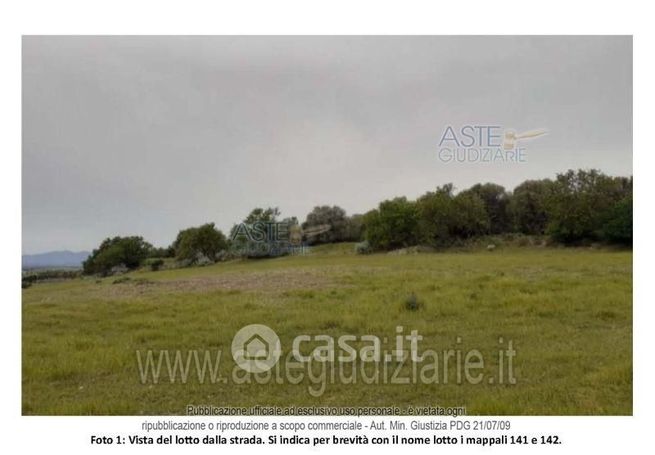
(256,348)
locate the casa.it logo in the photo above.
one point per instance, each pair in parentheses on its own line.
(256,348)
(484,144)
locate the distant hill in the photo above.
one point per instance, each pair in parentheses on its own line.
(54,259)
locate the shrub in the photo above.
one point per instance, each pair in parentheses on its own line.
(618,223)
(127,251)
(444,217)
(354,228)
(51,274)
(412,303)
(435,212)
(528,206)
(363,248)
(580,202)
(470,217)
(261,235)
(156,264)
(392,225)
(333,218)
(193,243)
(495,201)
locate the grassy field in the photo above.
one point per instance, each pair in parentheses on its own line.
(568,313)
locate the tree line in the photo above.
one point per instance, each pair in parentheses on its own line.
(576,207)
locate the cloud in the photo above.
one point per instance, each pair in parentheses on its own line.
(148,135)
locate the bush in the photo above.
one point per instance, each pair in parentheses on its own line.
(528,206)
(392,225)
(618,223)
(470,216)
(495,201)
(51,274)
(363,248)
(156,264)
(127,251)
(444,218)
(261,235)
(412,303)
(354,228)
(34,276)
(436,216)
(581,201)
(331,223)
(193,243)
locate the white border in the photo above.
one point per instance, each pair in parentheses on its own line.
(323,17)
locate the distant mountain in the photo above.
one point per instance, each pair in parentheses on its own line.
(54,259)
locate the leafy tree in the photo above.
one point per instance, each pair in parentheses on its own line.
(334,217)
(112,252)
(435,212)
(203,240)
(618,223)
(392,225)
(444,217)
(579,203)
(268,215)
(354,228)
(496,204)
(471,216)
(261,234)
(528,206)
(253,224)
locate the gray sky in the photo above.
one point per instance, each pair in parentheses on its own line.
(149,135)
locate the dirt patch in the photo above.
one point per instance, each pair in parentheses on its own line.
(272,281)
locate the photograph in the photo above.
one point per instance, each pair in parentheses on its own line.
(326,225)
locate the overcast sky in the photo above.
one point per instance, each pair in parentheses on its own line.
(149,135)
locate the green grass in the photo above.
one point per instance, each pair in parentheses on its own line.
(568,313)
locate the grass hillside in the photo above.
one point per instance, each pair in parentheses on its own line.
(568,313)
